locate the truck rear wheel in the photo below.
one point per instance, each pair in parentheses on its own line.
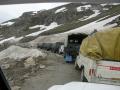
(76,66)
(82,76)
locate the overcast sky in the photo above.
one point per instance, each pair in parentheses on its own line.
(13,11)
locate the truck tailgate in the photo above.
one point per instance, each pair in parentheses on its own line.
(108,70)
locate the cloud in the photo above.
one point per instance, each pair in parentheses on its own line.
(13,11)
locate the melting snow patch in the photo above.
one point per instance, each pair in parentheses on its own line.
(8,39)
(46,28)
(82,8)
(11,39)
(96,12)
(103,4)
(63,9)
(37,26)
(34,27)
(7,23)
(105,8)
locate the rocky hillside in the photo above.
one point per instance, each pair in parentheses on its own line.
(57,20)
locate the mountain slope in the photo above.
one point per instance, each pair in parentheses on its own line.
(57,20)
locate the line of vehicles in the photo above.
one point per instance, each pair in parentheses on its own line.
(92,70)
(100,73)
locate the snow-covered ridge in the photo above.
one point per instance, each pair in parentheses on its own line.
(63,9)
(82,8)
(43,28)
(7,23)
(88,28)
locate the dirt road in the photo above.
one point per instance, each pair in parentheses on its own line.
(56,71)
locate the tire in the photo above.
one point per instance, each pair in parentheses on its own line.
(76,66)
(82,76)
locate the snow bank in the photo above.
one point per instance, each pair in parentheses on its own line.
(11,39)
(8,39)
(80,8)
(18,39)
(38,26)
(45,28)
(7,23)
(16,52)
(86,86)
(96,12)
(34,27)
(63,9)
(88,28)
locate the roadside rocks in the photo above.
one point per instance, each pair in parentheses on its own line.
(16,88)
(16,52)
(42,66)
(29,62)
(19,64)
(5,66)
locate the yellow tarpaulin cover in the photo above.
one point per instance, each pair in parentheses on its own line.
(102,45)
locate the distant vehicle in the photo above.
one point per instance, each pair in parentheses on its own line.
(61,49)
(57,47)
(72,45)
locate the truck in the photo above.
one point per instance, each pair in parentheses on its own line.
(99,57)
(72,45)
(98,71)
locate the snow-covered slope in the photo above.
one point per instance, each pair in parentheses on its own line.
(88,28)
(69,18)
